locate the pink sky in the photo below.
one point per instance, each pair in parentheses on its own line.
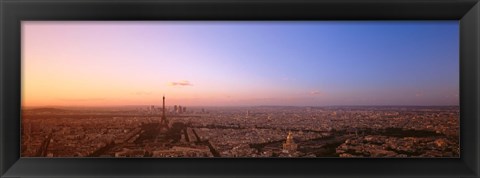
(136,63)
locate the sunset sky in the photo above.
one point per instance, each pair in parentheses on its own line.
(194,63)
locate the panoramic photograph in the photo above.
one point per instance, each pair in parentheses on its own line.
(242,89)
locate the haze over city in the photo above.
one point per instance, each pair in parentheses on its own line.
(278,89)
(311,63)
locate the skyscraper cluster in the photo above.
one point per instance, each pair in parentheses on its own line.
(179,109)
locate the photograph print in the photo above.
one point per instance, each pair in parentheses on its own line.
(245,89)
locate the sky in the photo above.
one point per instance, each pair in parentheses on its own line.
(242,63)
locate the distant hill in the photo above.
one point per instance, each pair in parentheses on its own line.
(47,110)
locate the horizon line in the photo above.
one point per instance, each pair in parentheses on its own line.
(363,105)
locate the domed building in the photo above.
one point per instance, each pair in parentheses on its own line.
(289,146)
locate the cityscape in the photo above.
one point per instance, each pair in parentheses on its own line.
(263,131)
(243,89)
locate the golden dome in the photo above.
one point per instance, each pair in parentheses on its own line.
(290,137)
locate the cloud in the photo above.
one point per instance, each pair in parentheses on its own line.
(316,92)
(181,83)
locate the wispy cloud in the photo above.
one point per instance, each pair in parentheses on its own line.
(315,92)
(181,83)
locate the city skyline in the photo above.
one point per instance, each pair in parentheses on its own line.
(240,63)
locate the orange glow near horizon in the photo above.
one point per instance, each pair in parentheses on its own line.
(238,64)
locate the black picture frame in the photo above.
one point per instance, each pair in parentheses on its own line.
(12,12)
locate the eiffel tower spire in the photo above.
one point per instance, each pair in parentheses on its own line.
(163,121)
(163,114)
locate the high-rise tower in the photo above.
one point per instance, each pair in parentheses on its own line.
(163,114)
(163,121)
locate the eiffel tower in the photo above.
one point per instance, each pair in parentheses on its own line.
(163,120)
